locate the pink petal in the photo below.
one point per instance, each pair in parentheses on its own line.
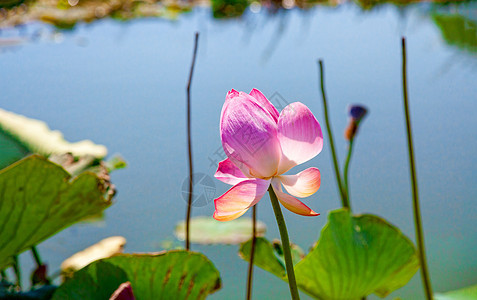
(236,201)
(300,136)
(249,136)
(289,202)
(229,173)
(303,184)
(231,94)
(263,102)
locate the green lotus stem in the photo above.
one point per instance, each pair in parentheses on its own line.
(415,194)
(16,269)
(344,196)
(36,256)
(252,252)
(345,171)
(285,243)
(3,275)
(189,146)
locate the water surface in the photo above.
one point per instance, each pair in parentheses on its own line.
(123,85)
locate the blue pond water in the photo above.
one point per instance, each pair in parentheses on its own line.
(123,85)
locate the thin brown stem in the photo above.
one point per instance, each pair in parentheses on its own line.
(415,193)
(252,253)
(344,196)
(189,145)
(3,275)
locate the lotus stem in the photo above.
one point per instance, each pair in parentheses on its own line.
(3,275)
(344,196)
(16,269)
(285,243)
(36,256)
(252,253)
(189,146)
(415,193)
(345,171)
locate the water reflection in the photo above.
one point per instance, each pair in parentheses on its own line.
(457,20)
(457,30)
(66,13)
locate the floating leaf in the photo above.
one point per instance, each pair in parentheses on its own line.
(103,249)
(168,275)
(467,293)
(269,256)
(357,256)
(38,199)
(206,230)
(37,137)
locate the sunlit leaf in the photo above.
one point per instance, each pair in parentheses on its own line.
(38,199)
(467,293)
(207,230)
(37,137)
(168,275)
(356,256)
(103,249)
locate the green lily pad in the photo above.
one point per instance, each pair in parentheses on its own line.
(207,230)
(168,275)
(269,256)
(265,256)
(354,257)
(37,137)
(467,293)
(38,200)
(357,256)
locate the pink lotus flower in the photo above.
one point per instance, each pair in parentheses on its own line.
(261,145)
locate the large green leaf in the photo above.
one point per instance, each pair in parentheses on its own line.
(265,256)
(168,275)
(37,137)
(354,257)
(37,199)
(207,230)
(269,256)
(467,293)
(357,256)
